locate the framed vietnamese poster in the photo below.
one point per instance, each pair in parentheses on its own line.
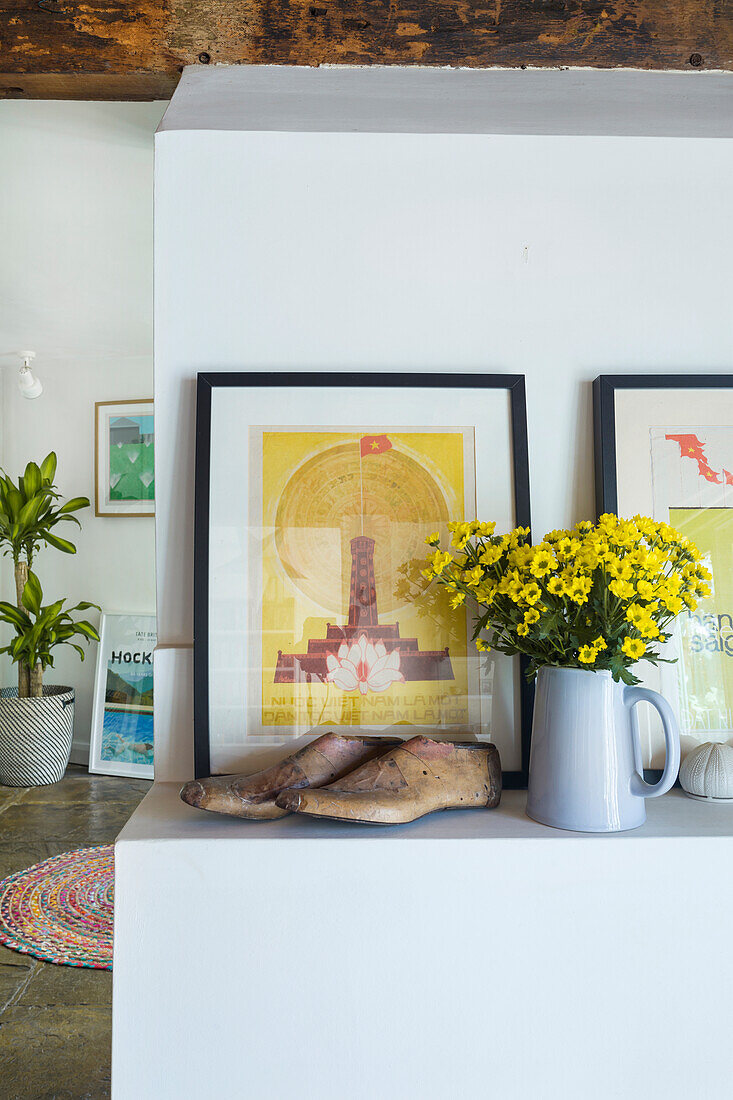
(122,714)
(314,496)
(124,458)
(664,448)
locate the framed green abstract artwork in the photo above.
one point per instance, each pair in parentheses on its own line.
(124,475)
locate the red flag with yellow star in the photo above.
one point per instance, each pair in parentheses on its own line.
(374,445)
(707,472)
(690,446)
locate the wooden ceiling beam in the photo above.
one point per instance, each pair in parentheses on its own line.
(135,49)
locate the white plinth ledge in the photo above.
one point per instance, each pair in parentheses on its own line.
(412,220)
(352,963)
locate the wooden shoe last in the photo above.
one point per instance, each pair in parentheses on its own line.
(407,782)
(253,796)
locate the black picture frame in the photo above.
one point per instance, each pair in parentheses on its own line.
(604,436)
(208,382)
(604,420)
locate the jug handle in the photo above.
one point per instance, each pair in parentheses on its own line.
(632,696)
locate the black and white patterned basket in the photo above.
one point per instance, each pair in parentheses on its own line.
(35,736)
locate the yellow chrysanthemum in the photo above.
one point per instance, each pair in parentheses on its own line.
(542,563)
(485,593)
(440,560)
(673,583)
(457,599)
(531,592)
(648,628)
(587,655)
(521,557)
(578,589)
(619,568)
(459,540)
(482,646)
(522,630)
(638,558)
(434,539)
(514,588)
(587,557)
(517,536)
(633,648)
(567,546)
(623,590)
(531,615)
(635,614)
(490,555)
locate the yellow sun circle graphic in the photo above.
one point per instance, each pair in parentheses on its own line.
(333,497)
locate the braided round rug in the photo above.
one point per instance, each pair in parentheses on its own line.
(61,909)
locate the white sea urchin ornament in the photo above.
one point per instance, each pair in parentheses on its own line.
(707,773)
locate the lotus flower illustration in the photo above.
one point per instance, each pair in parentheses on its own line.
(364,666)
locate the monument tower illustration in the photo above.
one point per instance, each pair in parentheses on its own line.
(363,619)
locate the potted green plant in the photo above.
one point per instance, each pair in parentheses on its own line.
(36,720)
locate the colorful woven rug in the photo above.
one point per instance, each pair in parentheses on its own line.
(61,910)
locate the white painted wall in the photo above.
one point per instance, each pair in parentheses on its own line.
(558,257)
(76,192)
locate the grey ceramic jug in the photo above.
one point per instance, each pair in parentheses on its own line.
(585,770)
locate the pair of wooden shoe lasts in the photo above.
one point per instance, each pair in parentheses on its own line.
(377,780)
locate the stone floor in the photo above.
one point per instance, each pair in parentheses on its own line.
(56,1021)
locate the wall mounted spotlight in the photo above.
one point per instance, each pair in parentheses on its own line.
(28,384)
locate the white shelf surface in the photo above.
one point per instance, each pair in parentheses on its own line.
(162,816)
(471,953)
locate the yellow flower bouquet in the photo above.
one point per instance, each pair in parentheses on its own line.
(599,596)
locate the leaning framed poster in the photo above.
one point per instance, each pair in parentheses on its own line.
(314,497)
(664,448)
(122,715)
(124,458)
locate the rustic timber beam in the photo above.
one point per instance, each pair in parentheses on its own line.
(135,49)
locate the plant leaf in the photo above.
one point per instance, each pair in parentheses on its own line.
(48,467)
(15,503)
(32,594)
(30,511)
(9,613)
(32,480)
(74,505)
(85,628)
(57,542)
